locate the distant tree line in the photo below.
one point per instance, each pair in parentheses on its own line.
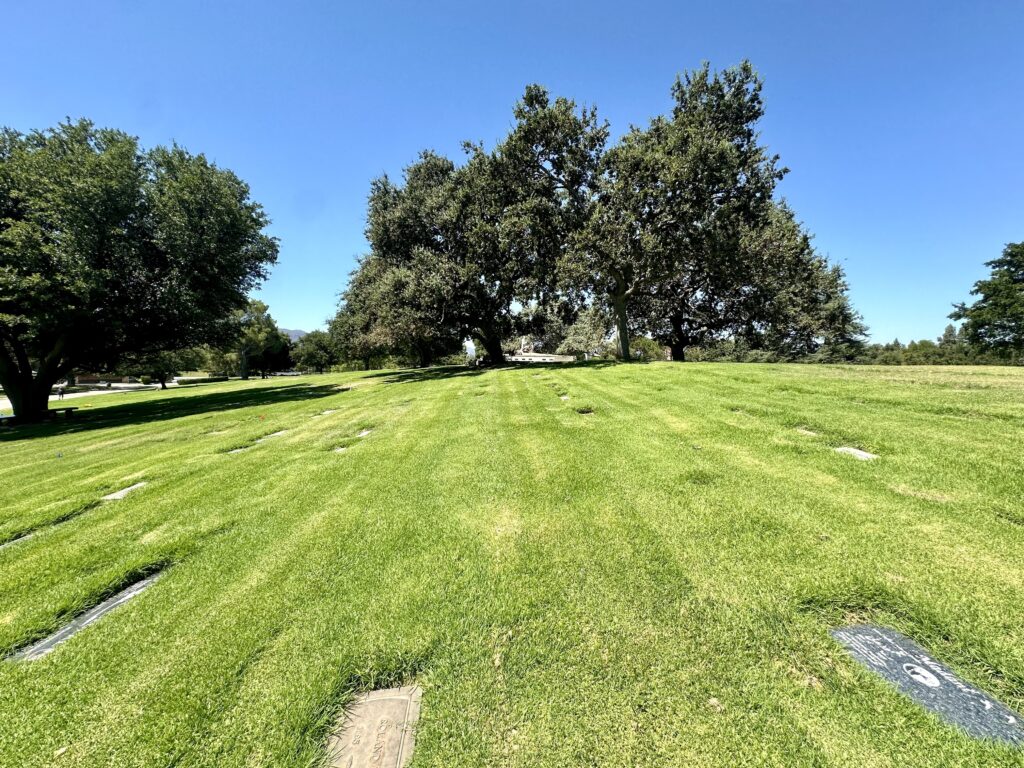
(951,348)
(115,258)
(992,328)
(991,332)
(257,347)
(673,235)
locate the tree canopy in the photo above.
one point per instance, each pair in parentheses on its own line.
(673,203)
(108,250)
(674,231)
(261,346)
(456,250)
(996,320)
(315,352)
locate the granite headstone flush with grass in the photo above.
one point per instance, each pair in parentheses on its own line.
(906,665)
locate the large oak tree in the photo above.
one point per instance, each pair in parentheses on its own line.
(774,292)
(106,249)
(675,230)
(676,198)
(456,251)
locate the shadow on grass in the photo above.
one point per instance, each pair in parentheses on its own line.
(165,409)
(416,375)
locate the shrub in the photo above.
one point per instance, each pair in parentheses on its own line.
(644,348)
(202,380)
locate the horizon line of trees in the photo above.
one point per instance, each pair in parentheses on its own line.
(673,232)
(266,350)
(259,347)
(951,348)
(113,256)
(116,259)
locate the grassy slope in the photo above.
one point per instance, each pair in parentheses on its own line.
(649,584)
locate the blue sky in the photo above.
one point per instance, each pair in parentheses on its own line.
(901,123)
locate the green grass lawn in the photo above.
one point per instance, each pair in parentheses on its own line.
(648,584)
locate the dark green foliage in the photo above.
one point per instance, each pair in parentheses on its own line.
(674,231)
(201,380)
(646,349)
(162,366)
(793,303)
(587,337)
(996,320)
(108,250)
(951,348)
(522,203)
(675,199)
(315,352)
(394,311)
(454,250)
(261,345)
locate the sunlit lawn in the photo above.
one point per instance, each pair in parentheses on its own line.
(649,584)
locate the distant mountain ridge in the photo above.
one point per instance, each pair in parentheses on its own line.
(293,335)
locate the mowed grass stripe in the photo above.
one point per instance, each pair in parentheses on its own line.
(278,542)
(568,589)
(322,528)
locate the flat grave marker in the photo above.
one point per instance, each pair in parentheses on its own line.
(857,453)
(240,450)
(272,434)
(47,644)
(377,730)
(903,663)
(18,539)
(117,495)
(364,433)
(806,432)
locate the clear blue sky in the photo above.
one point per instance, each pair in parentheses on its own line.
(902,123)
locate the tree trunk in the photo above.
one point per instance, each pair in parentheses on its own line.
(29,395)
(29,399)
(679,341)
(492,345)
(621,324)
(163,382)
(16,394)
(425,356)
(243,364)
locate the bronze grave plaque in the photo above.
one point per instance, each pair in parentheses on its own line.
(376,731)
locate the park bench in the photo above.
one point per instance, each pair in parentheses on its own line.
(66,410)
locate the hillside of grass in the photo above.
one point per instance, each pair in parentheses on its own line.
(587,565)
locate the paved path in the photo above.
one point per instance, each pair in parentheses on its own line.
(5,404)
